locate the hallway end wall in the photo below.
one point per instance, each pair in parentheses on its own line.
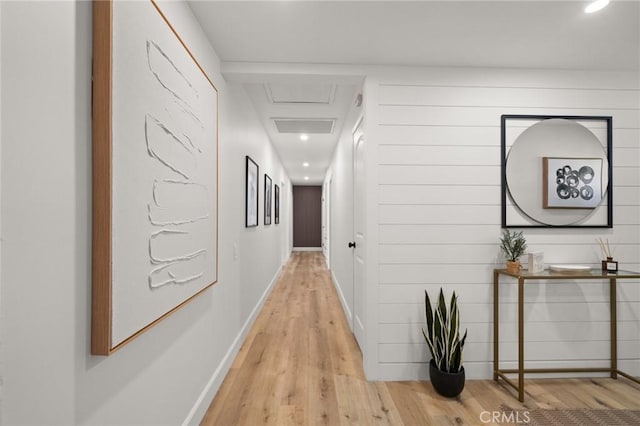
(167,375)
(307,217)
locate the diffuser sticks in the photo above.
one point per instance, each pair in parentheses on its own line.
(608,265)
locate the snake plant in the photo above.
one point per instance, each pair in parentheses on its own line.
(442,333)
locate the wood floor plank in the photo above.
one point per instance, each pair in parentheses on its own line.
(407,399)
(300,365)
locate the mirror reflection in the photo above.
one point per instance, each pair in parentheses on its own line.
(557,172)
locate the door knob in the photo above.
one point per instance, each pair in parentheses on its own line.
(352,244)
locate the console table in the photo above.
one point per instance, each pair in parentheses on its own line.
(499,373)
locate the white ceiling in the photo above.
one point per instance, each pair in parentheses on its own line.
(293,151)
(511,34)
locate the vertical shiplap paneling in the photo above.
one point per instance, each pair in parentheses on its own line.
(439,218)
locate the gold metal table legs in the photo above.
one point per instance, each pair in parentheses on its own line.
(499,373)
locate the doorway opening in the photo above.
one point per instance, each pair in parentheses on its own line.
(307,218)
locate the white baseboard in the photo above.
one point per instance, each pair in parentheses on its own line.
(199,409)
(286,260)
(307,249)
(343,301)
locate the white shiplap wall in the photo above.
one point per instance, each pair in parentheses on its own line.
(438,137)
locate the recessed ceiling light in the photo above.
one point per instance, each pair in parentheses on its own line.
(304,137)
(306,178)
(596,6)
(305,164)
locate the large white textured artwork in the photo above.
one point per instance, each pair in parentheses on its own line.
(163,183)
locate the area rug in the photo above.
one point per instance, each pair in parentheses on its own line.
(572,416)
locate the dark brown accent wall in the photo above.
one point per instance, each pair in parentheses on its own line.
(307,216)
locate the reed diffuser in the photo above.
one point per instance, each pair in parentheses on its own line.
(608,265)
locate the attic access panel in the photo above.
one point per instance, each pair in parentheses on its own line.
(305,125)
(306,94)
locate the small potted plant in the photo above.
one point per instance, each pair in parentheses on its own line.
(513,245)
(442,334)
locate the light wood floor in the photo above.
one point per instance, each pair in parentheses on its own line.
(300,365)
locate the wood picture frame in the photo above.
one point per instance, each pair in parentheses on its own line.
(276,204)
(571,183)
(155,173)
(267,199)
(251,193)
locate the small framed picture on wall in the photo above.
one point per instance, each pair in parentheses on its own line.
(276,205)
(251,209)
(267,199)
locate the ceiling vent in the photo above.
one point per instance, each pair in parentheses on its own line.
(314,94)
(305,125)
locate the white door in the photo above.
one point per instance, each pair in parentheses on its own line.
(285,220)
(359,235)
(327,224)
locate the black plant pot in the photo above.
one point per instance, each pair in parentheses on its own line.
(446,384)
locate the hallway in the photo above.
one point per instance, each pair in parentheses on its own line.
(298,357)
(300,365)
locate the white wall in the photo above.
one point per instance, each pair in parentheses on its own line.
(260,247)
(286,243)
(1,311)
(326,218)
(340,172)
(42,235)
(438,184)
(169,374)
